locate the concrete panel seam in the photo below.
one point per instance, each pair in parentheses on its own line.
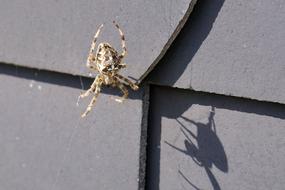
(170,41)
(215,93)
(143,139)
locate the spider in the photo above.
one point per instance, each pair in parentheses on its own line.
(108,62)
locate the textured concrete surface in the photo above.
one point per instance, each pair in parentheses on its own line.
(203,141)
(229,47)
(56,35)
(45,145)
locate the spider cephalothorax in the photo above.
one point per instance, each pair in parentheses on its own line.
(108,62)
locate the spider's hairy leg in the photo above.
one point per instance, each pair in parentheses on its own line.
(91,57)
(124,90)
(91,104)
(93,45)
(96,89)
(122,65)
(130,83)
(90,90)
(124,53)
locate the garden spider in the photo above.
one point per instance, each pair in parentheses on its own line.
(108,62)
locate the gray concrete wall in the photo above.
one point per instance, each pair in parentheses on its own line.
(45,145)
(56,35)
(231,47)
(205,141)
(195,140)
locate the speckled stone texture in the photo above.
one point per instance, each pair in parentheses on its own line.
(56,35)
(45,144)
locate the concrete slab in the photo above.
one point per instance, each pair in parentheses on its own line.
(204,141)
(229,47)
(45,145)
(56,35)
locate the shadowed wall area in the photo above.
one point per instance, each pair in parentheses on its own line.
(181,52)
(231,48)
(205,141)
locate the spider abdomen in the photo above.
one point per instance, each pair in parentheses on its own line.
(108,59)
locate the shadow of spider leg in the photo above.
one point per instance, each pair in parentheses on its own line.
(95,88)
(130,83)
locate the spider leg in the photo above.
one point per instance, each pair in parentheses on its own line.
(90,90)
(122,65)
(124,53)
(91,57)
(96,89)
(130,83)
(124,90)
(93,45)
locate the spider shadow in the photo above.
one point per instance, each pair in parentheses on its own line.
(209,150)
(168,71)
(187,43)
(61,79)
(187,180)
(204,148)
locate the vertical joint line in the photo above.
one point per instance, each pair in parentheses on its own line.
(143,138)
